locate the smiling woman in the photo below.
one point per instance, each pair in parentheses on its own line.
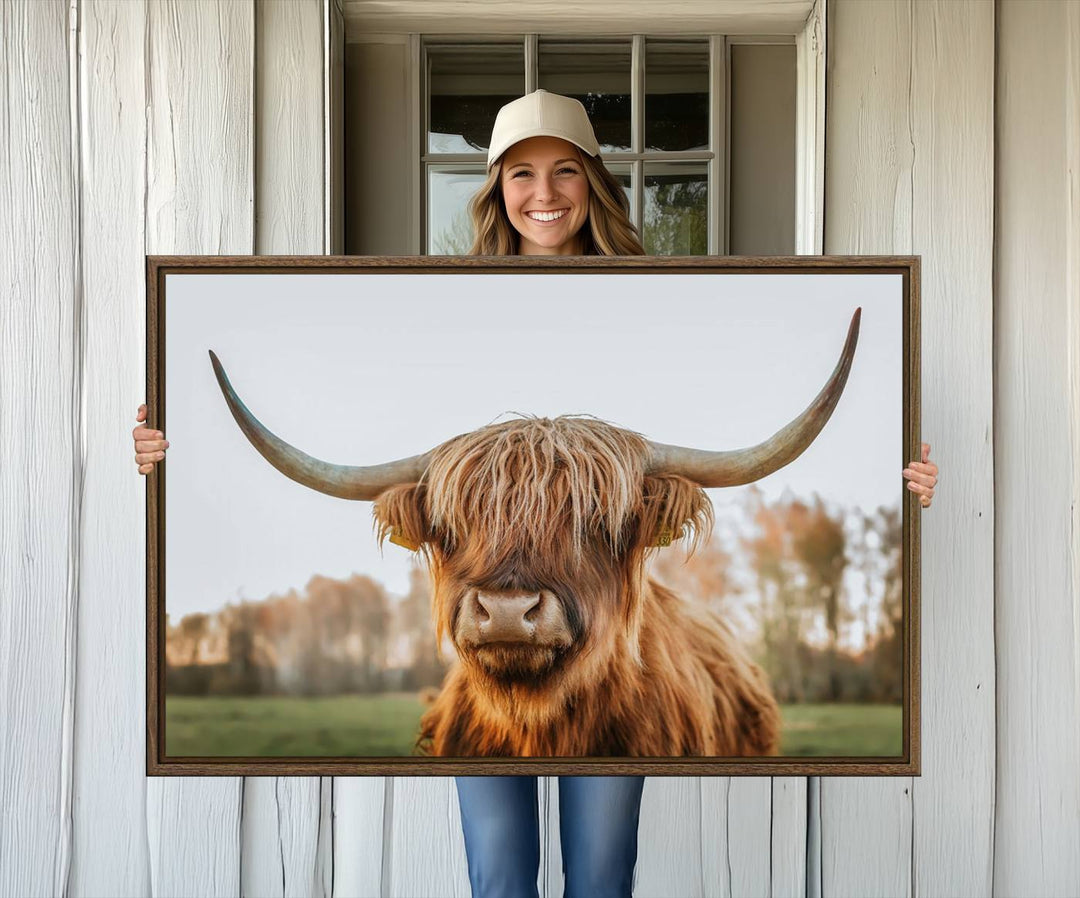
(546,195)
(547,191)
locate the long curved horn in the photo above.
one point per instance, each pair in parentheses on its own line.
(343,481)
(732,468)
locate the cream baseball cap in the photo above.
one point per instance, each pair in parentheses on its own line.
(541,114)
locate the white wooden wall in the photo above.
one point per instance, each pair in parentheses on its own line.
(910,151)
(175,126)
(1036,838)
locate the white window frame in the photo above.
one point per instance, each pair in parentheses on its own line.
(809,40)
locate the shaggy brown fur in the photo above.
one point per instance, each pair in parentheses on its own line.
(564,505)
(698,694)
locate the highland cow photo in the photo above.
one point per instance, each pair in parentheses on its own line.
(469,511)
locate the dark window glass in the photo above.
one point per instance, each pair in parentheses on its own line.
(676,95)
(597,74)
(466,87)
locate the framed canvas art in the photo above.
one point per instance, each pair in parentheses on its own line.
(605,515)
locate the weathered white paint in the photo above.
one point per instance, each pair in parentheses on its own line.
(361,810)
(40,445)
(909,170)
(199,199)
(952,127)
(289,127)
(424,847)
(669,837)
(108,816)
(558,17)
(790,832)
(280,837)
(1036,839)
(737,849)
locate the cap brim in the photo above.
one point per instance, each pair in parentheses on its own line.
(541,132)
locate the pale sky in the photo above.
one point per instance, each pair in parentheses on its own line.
(365,368)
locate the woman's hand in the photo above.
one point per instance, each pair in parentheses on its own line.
(150,444)
(922,477)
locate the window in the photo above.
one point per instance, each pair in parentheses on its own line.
(700,130)
(659,107)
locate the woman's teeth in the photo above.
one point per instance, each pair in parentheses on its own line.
(546,216)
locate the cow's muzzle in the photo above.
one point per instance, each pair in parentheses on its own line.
(533,618)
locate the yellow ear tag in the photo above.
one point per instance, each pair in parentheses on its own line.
(663,538)
(400,539)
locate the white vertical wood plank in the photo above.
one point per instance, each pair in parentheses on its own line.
(110,855)
(193,830)
(715,845)
(868,155)
(911,141)
(737,849)
(360,809)
(282,815)
(40,451)
(1037,815)
(199,197)
(280,837)
(865,837)
(952,82)
(290,163)
(670,838)
(790,800)
(424,853)
(199,150)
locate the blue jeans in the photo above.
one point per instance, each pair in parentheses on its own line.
(598,823)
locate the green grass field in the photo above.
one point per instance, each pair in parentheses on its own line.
(385,726)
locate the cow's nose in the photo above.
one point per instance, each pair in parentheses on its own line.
(503,618)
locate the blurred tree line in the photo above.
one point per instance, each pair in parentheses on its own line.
(815,594)
(338,636)
(793,578)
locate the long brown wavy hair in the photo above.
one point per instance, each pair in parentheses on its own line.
(607,231)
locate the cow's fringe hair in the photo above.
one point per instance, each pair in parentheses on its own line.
(532,481)
(678,507)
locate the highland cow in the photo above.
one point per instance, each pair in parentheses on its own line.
(536,532)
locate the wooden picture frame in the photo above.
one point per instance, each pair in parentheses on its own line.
(659,319)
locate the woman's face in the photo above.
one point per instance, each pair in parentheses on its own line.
(546,195)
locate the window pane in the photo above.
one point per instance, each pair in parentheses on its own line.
(466,87)
(676,209)
(597,74)
(449,191)
(676,95)
(624,176)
